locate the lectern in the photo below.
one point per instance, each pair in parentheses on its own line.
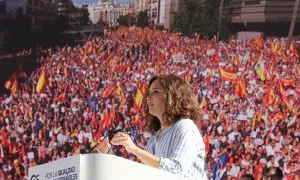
(98,167)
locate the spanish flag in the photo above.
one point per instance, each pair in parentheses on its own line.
(228,74)
(285,98)
(236,61)
(274,49)
(138,100)
(240,89)
(279,116)
(41,82)
(270,97)
(294,50)
(121,94)
(108,91)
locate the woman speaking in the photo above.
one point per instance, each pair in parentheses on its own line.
(176,145)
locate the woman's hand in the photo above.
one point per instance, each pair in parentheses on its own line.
(124,140)
(103,145)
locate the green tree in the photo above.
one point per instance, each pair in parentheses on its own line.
(198,17)
(142,19)
(127,20)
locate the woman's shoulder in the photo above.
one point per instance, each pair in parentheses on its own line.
(186,124)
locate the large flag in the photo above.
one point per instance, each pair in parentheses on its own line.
(270,97)
(138,100)
(41,82)
(228,74)
(261,71)
(240,89)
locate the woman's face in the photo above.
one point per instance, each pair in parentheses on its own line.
(156,100)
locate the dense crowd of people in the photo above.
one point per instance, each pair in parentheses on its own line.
(249,93)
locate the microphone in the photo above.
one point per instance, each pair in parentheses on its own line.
(110,135)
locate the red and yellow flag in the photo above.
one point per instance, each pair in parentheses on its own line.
(288,82)
(121,94)
(284,98)
(279,116)
(270,97)
(274,48)
(40,86)
(240,89)
(226,74)
(236,61)
(108,91)
(138,100)
(294,50)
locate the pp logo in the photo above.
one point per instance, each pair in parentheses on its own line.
(34,177)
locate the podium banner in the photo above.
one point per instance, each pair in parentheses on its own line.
(97,167)
(62,169)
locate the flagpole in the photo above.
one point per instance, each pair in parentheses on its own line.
(220,19)
(292,26)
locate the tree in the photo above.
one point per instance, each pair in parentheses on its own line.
(142,19)
(127,20)
(198,17)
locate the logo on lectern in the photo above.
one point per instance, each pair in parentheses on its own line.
(34,177)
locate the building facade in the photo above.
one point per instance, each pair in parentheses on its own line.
(36,10)
(162,12)
(273,17)
(140,5)
(153,11)
(108,12)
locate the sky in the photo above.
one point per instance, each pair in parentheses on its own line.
(93,1)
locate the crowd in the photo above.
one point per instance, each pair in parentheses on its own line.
(249,92)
